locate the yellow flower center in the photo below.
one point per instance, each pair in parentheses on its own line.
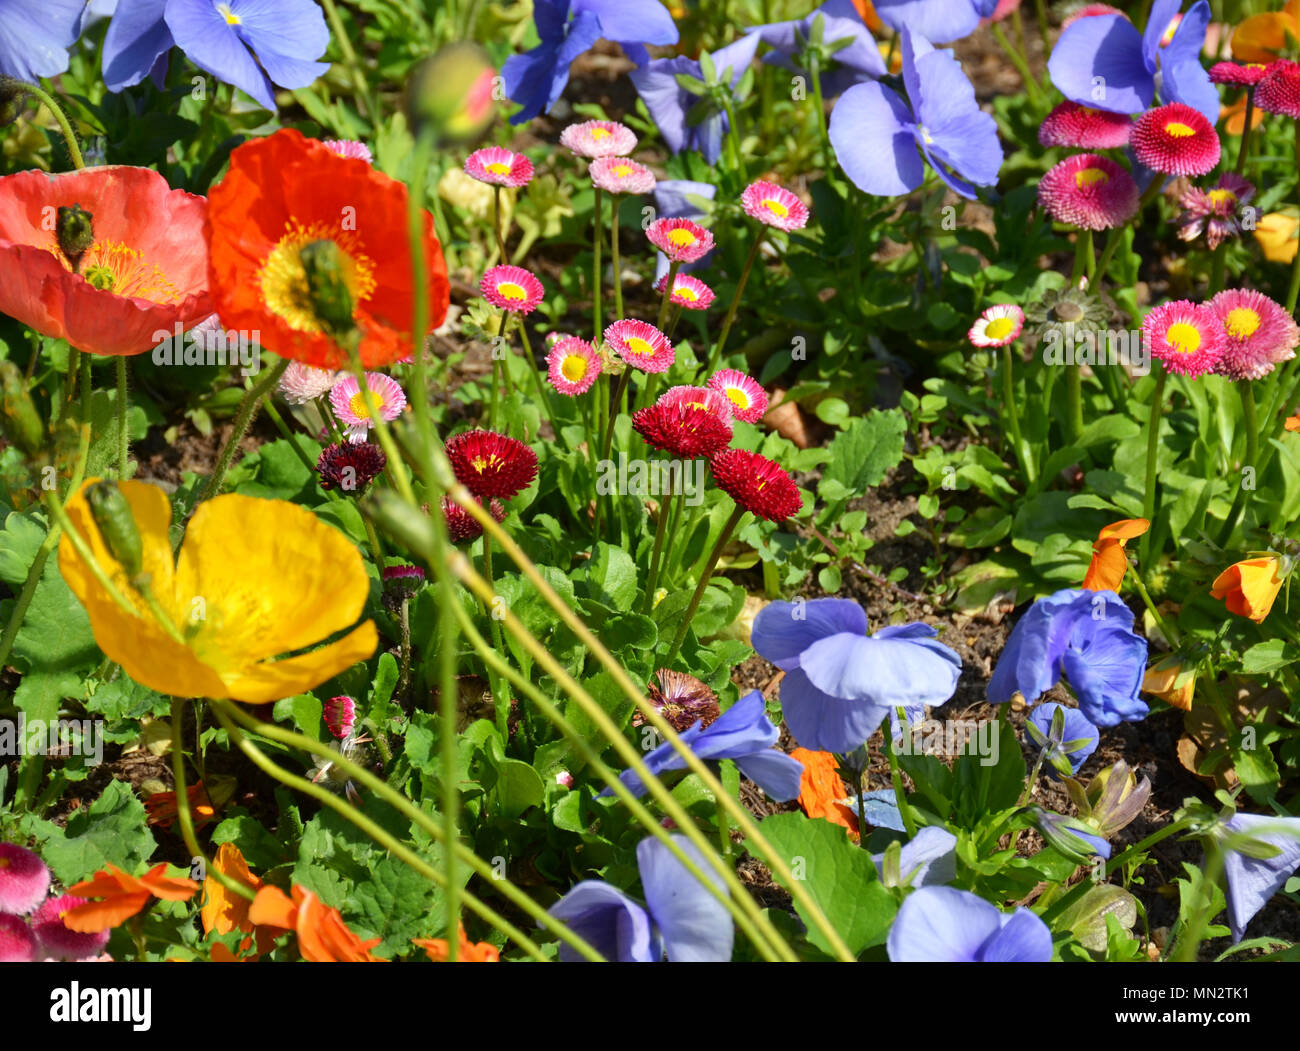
(484,463)
(999,328)
(498,168)
(1086,177)
(1242,323)
(574,368)
(358,404)
(512,291)
(232,19)
(622,171)
(637,345)
(738,397)
(1178,130)
(283,279)
(1184,338)
(599,134)
(1218,198)
(682,238)
(683,292)
(113,267)
(776,208)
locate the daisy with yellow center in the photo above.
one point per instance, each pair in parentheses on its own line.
(688,292)
(351,410)
(997,326)
(747,397)
(499,167)
(1258,334)
(573,366)
(620,175)
(681,240)
(1187,337)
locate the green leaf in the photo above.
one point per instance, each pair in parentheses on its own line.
(518,787)
(863,453)
(305,712)
(609,578)
(113,831)
(1257,769)
(1266,657)
(1086,918)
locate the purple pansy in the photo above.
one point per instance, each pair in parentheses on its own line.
(1253,880)
(840,682)
(743,734)
(880,140)
(942,21)
(1075,741)
(35,36)
(1104,62)
(857,62)
(928,859)
(681,917)
(946,925)
(1085,636)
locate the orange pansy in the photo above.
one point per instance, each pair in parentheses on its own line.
(323,937)
(1250,587)
(1264,37)
(1109,563)
(820,790)
(122,896)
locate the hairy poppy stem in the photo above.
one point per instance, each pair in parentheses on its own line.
(65,127)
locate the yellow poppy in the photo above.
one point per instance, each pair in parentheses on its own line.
(255,579)
(1277,236)
(1249,588)
(1263,38)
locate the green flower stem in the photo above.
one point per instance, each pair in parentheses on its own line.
(608,441)
(597,277)
(896,777)
(228,715)
(1244,151)
(360,84)
(666,300)
(666,505)
(498,350)
(243,417)
(123,438)
(500,695)
(1074,402)
(819,106)
(1108,250)
(1018,60)
(1170,633)
(1218,267)
(716,356)
(614,202)
(728,528)
(65,127)
(733,139)
(540,388)
(1189,941)
(1040,10)
(496,224)
(60,516)
(1250,421)
(1153,455)
(1293,293)
(273,414)
(417,193)
(396,466)
(1023,453)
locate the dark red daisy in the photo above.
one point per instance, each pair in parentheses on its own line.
(462,526)
(1070,124)
(350,466)
(681,699)
(681,429)
(1279,89)
(1176,140)
(756,484)
(491,464)
(1236,74)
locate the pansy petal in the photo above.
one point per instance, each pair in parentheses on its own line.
(776,773)
(783,630)
(658,761)
(822,722)
(874,146)
(1024,938)
(886,671)
(212,44)
(740,730)
(615,925)
(1098,62)
(942,925)
(696,927)
(638,21)
(290,29)
(137,37)
(1162,14)
(1188,82)
(928,859)
(1251,882)
(939,20)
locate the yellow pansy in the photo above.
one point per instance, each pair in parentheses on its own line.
(256,579)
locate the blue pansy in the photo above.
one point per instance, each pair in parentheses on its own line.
(670,104)
(939,20)
(35,36)
(1086,637)
(743,734)
(840,682)
(680,919)
(946,925)
(880,139)
(567,28)
(928,859)
(1104,62)
(136,44)
(857,62)
(1251,881)
(1076,741)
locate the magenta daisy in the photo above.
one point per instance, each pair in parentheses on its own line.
(681,429)
(1080,127)
(512,288)
(700,399)
(1258,333)
(756,484)
(350,404)
(1089,191)
(1242,76)
(1279,89)
(598,138)
(641,345)
(689,292)
(302,383)
(17,942)
(997,326)
(774,206)
(620,175)
(461,525)
(340,715)
(573,366)
(1175,139)
(24,879)
(680,240)
(748,398)
(1187,337)
(351,148)
(500,167)
(1214,211)
(59,943)
(350,466)
(489,464)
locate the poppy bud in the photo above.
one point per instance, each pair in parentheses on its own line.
(113,516)
(452,91)
(12,100)
(76,232)
(21,422)
(327,287)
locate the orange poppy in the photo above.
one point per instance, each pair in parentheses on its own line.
(122,896)
(323,937)
(1233,118)
(1292,423)
(483,952)
(1276,233)
(163,810)
(145,272)
(820,790)
(285,192)
(1172,680)
(1109,563)
(1250,587)
(1264,37)
(868,12)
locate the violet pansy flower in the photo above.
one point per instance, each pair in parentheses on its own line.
(946,925)
(35,36)
(857,61)
(1252,880)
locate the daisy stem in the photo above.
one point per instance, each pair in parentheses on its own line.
(243,417)
(723,538)
(396,466)
(1112,242)
(1018,60)
(896,775)
(716,358)
(1218,264)
(1244,151)
(500,695)
(656,553)
(496,224)
(498,352)
(123,438)
(666,300)
(862,808)
(614,201)
(1293,293)
(543,395)
(1040,9)
(1153,456)
(404,626)
(65,127)
(1250,420)
(597,278)
(819,105)
(619,389)
(1023,454)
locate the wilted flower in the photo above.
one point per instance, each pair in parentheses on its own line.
(1214,211)
(928,859)
(1112,800)
(1173,680)
(1249,588)
(303,383)
(1258,334)
(1069,313)
(1064,734)
(821,792)
(350,466)
(681,699)
(946,925)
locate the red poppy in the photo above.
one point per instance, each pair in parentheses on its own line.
(145,272)
(285,192)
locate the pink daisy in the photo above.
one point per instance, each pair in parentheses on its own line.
(340,715)
(1175,139)
(24,879)
(620,175)
(689,292)
(1258,333)
(512,288)
(748,399)
(351,148)
(350,404)
(1214,211)
(1242,76)
(997,326)
(774,206)
(641,345)
(1089,191)
(598,138)
(680,240)
(699,399)
(1070,124)
(573,366)
(500,167)
(1187,337)
(1279,89)
(302,383)
(56,940)
(17,942)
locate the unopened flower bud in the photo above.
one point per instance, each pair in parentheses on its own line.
(327,286)
(76,233)
(21,422)
(452,93)
(12,100)
(116,522)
